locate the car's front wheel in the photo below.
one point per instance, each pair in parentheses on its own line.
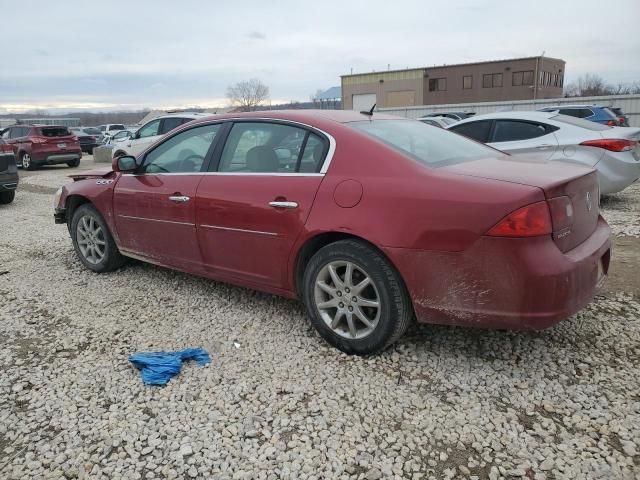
(355,298)
(93,242)
(7,197)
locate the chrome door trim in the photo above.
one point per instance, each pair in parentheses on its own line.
(131,217)
(257,232)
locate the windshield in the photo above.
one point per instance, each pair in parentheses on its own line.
(430,146)
(92,131)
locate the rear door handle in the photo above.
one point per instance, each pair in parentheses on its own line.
(544,146)
(283,204)
(179,198)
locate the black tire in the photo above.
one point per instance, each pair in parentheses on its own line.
(118,154)
(112,258)
(74,163)
(396,310)
(7,197)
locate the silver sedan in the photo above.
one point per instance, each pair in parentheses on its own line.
(613,151)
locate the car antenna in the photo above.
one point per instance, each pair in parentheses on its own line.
(368,112)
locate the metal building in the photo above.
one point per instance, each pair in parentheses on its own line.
(493,81)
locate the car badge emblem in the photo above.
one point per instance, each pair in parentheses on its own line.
(589,205)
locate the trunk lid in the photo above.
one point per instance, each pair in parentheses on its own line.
(578,185)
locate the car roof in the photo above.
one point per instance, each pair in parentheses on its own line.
(576,106)
(515,115)
(308,116)
(184,115)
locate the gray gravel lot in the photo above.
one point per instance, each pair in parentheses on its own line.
(276,402)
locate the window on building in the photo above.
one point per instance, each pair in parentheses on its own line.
(467,82)
(437,84)
(522,78)
(492,80)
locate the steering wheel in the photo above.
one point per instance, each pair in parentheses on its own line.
(191,163)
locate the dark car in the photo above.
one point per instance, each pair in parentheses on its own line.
(89,138)
(36,145)
(379,220)
(8,173)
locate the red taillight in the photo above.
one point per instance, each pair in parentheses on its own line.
(612,144)
(611,123)
(530,221)
(621,122)
(74,139)
(38,140)
(6,148)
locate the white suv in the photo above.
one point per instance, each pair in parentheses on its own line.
(152,131)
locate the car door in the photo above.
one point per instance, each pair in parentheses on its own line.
(250,211)
(154,208)
(520,137)
(145,136)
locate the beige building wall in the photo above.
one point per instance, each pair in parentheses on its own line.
(507,80)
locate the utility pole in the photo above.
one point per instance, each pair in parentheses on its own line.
(536,80)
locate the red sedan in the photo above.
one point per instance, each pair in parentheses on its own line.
(371,220)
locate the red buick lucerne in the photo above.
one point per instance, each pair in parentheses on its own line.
(371,220)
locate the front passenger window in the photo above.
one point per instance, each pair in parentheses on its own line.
(478,131)
(183,153)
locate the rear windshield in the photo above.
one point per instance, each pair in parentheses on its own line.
(579,122)
(116,127)
(55,131)
(429,145)
(92,131)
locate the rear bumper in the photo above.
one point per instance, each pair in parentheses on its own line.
(55,158)
(521,284)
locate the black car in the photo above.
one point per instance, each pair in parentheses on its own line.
(89,138)
(8,173)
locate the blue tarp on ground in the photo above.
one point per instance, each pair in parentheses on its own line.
(157,368)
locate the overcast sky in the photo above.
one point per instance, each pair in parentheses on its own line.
(133,54)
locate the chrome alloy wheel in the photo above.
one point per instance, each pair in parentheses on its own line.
(347,299)
(26,161)
(91,240)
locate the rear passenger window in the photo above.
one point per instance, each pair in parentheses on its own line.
(476,130)
(511,130)
(271,148)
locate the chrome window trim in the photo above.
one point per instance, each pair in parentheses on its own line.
(323,170)
(257,174)
(215,227)
(156,220)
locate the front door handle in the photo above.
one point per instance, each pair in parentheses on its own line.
(283,204)
(179,198)
(544,146)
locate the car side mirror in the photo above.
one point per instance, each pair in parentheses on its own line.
(125,163)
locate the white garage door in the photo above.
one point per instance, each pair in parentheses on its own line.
(363,101)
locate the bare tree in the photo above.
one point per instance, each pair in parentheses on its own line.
(588,85)
(248,94)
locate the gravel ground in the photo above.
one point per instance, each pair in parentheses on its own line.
(276,402)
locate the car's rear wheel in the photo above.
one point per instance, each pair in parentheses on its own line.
(7,197)
(74,163)
(26,162)
(355,298)
(93,242)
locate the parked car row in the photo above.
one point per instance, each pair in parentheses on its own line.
(551,136)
